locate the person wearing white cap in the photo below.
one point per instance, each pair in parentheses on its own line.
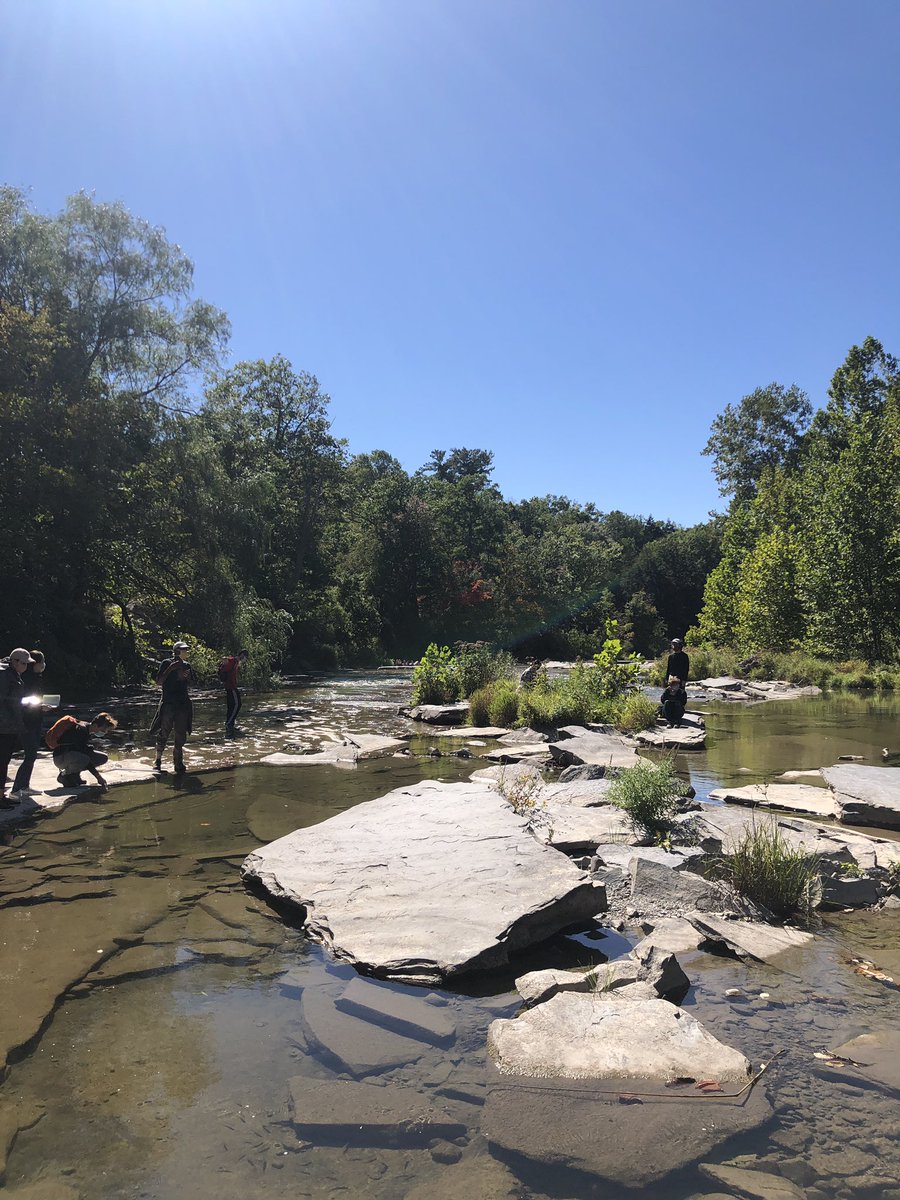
(12,722)
(175,714)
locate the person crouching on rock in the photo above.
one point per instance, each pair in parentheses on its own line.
(673,702)
(75,753)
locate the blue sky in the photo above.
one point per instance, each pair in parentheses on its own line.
(569,232)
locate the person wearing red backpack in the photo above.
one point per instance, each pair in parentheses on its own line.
(228,673)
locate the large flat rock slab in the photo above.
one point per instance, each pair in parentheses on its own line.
(689,735)
(570,828)
(866,795)
(536,752)
(367,1114)
(50,796)
(352,748)
(789,797)
(581,1036)
(351,1044)
(398,1011)
(426,883)
(567,1124)
(593,749)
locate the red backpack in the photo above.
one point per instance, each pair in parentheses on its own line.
(224,671)
(55,732)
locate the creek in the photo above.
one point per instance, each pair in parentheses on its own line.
(156,1003)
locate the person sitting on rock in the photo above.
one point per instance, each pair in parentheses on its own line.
(673,702)
(75,753)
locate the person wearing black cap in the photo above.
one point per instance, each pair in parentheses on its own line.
(175,714)
(12,722)
(32,687)
(679,665)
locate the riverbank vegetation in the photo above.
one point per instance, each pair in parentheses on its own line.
(153,491)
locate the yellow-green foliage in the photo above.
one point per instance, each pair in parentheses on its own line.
(638,712)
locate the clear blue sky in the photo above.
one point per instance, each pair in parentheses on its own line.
(567,231)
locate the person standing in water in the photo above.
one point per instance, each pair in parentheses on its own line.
(175,714)
(228,673)
(33,718)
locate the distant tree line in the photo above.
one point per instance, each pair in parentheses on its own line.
(148,492)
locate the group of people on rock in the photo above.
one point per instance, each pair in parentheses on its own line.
(71,740)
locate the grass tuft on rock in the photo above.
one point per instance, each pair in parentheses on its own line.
(766,869)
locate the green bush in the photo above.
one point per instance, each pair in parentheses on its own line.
(480,705)
(637,712)
(763,867)
(435,677)
(478,665)
(503,708)
(649,792)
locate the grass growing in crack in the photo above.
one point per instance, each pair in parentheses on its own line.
(649,793)
(766,869)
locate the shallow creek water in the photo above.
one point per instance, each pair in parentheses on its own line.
(164,1007)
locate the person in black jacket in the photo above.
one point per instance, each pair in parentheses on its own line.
(175,714)
(679,665)
(75,753)
(12,724)
(33,716)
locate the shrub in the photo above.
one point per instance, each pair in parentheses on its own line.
(649,792)
(503,708)
(478,665)
(480,705)
(435,677)
(763,867)
(637,712)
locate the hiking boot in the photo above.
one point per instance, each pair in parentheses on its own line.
(180,768)
(157,766)
(72,781)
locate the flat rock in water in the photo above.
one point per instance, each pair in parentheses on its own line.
(750,939)
(576,1036)
(471,731)
(506,774)
(866,795)
(438,714)
(792,797)
(366,1114)
(352,748)
(350,1044)
(879,1054)
(721,683)
(605,1135)
(535,752)
(427,882)
(593,749)
(398,1011)
(522,737)
(753,1185)
(689,735)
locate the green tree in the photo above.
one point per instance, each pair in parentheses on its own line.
(765,430)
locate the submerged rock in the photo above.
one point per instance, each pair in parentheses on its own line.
(367,1114)
(427,882)
(753,1185)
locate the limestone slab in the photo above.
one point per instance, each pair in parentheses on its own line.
(675,934)
(366,1114)
(753,1185)
(349,1044)
(593,749)
(471,731)
(438,714)
(751,939)
(427,882)
(535,752)
(398,1011)
(792,797)
(566,1124)
(580,829)
(576,1036)
(689,735)
(866,795)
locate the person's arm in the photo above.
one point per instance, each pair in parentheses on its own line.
(166,671)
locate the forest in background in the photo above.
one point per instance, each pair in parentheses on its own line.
(151,492)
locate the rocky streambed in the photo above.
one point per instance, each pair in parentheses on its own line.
(589,1015)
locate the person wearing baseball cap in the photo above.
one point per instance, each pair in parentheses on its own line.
(175,714)
(12,722)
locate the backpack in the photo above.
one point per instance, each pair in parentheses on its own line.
(55,732)
(224,671)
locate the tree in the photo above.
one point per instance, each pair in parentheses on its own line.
(766,429)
